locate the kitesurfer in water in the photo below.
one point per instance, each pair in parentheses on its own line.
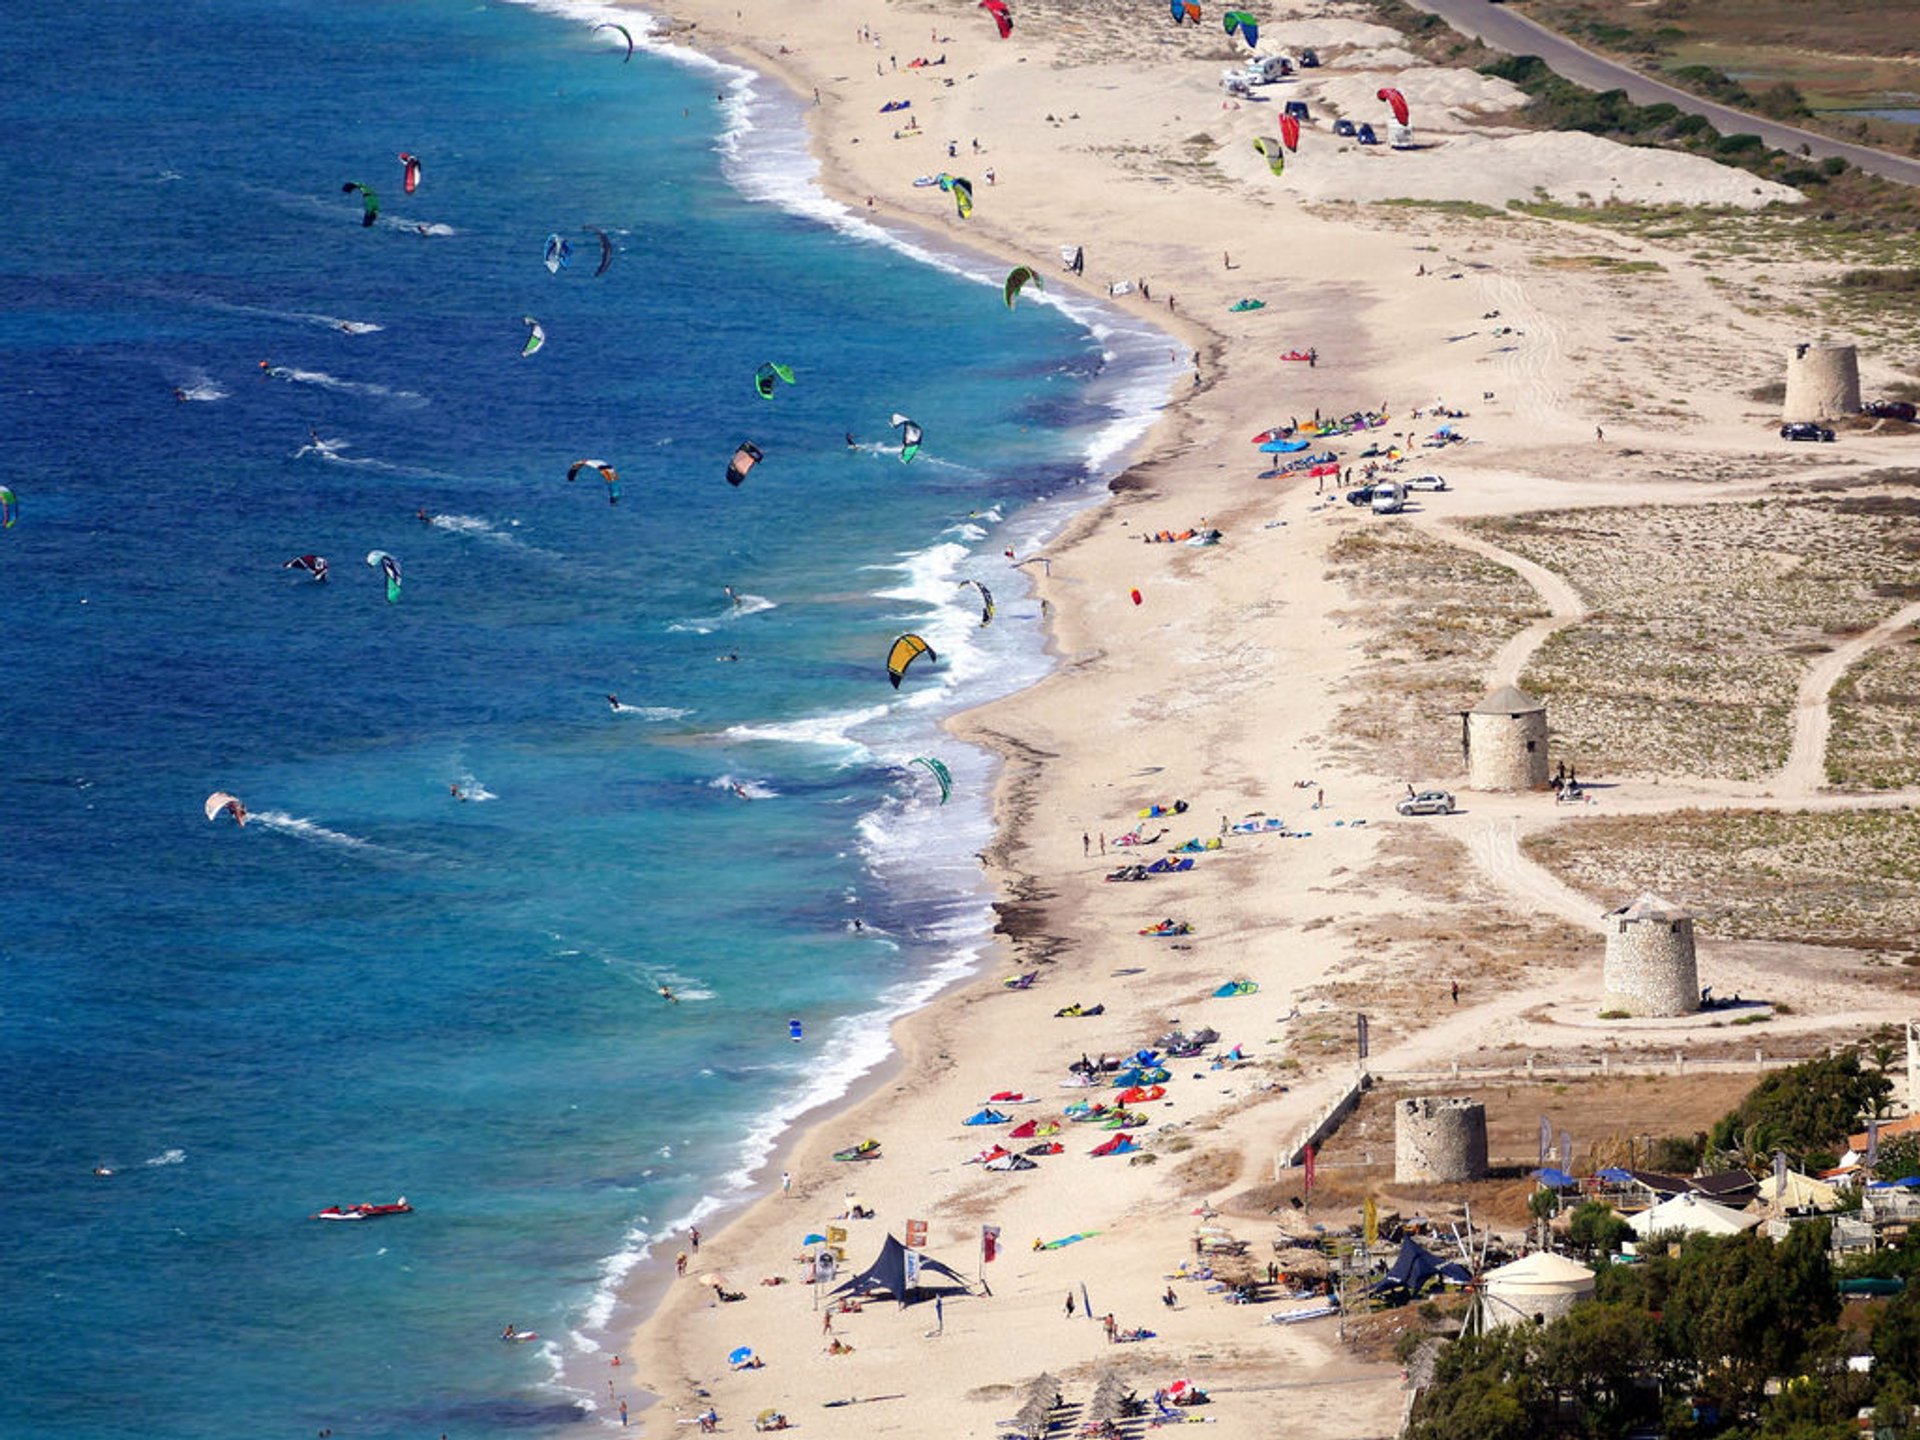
(423,516)
(733,598)
(454,790)
(613,701)
(729,657)
(666,993)
(178,393)
(852,444)
(740,790)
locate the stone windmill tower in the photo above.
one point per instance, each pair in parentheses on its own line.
(1823,383)
(1650,967)
(1504,739)
(1443,1139)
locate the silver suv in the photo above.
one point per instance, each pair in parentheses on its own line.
(1427,802)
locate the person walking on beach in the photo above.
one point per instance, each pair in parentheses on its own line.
(1112,1329)
(1086,845)
(680,1263)
(693,1234)
(1454,989)
(623,1414)
(939,1316)
(1103,842)
(786,1182)
(1599,435)
(1069,1304)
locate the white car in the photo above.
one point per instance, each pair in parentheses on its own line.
(1427,482)
(1427,802)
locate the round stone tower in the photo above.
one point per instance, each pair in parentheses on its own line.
(1651,968)
(1823,383)
(1441,1139)
(1504,738)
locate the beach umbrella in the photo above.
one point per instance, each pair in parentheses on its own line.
(1044,1387)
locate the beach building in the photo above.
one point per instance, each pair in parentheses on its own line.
(1439,1139)
(1799,1193)
(1534,1290)
(1504,741)
(1823,383)
(1650,965)
(1691,1215)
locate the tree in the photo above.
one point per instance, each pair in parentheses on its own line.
(1812,1106)
(1593,1229)
(1746,1310)
(1899,1158)
(1592,1357)
(1896,1338)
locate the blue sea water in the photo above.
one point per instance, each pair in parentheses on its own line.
(376,988)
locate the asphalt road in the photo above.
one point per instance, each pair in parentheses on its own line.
(1507,30)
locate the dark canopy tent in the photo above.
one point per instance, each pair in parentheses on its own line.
(901,1273)
(1413,1267)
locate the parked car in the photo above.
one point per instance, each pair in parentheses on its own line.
(1389,497)
(1343,127)
(1427,802)
(1309,59)
(1362,496)
(1298,110)
(1366,136)
(1893,410)
(1805,430)
(1427,482)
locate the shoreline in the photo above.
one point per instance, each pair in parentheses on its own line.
(640,1295)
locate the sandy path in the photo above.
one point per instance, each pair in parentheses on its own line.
(1563,603)
(1806,767)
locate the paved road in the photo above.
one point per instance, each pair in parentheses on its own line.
(1507,30)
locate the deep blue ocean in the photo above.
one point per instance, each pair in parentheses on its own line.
(377,988)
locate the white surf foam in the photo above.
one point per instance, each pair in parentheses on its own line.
(744,789)
(651,712)
(201,388)
(832,729)
(325,381)
(167,1157)
(301,828)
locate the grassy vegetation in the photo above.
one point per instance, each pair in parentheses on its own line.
(1703,620)
(1875,740)
(1472,209)
(1808,65)
(1846,878)
(1435,614)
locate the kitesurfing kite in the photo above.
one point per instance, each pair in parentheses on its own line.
(910,437)
(220,800)
(559,253)
(1396,102)
(764,377)
(1018,279)
(939,772)
(607,473)
(998,9)
(606,250)
(314,565)
(986,600)
(744,459)
(390,567)
(412,181)
(962,195)
(903,652)
(9,508)
(1183,11)
(624,35)
(1248,27)
(536,336)
(1290,131)
(369,202)
(1275,152)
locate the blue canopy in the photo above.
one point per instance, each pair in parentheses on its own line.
(1614,1175)
(1556,1179)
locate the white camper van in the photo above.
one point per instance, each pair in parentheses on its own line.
(1389,497)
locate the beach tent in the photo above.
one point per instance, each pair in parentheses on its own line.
(1690,1215)
(901,1273)
(1541,1284)
(1414,1267)
(1801,1192)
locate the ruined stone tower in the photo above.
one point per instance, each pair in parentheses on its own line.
(1505,741)
(1823,383)
(1439,1138)
(1650,967)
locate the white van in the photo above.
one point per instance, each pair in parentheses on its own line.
(1389,497)
(1268,69)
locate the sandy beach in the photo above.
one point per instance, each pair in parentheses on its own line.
(1267,676)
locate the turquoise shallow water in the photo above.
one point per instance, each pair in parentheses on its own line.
(377,989)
